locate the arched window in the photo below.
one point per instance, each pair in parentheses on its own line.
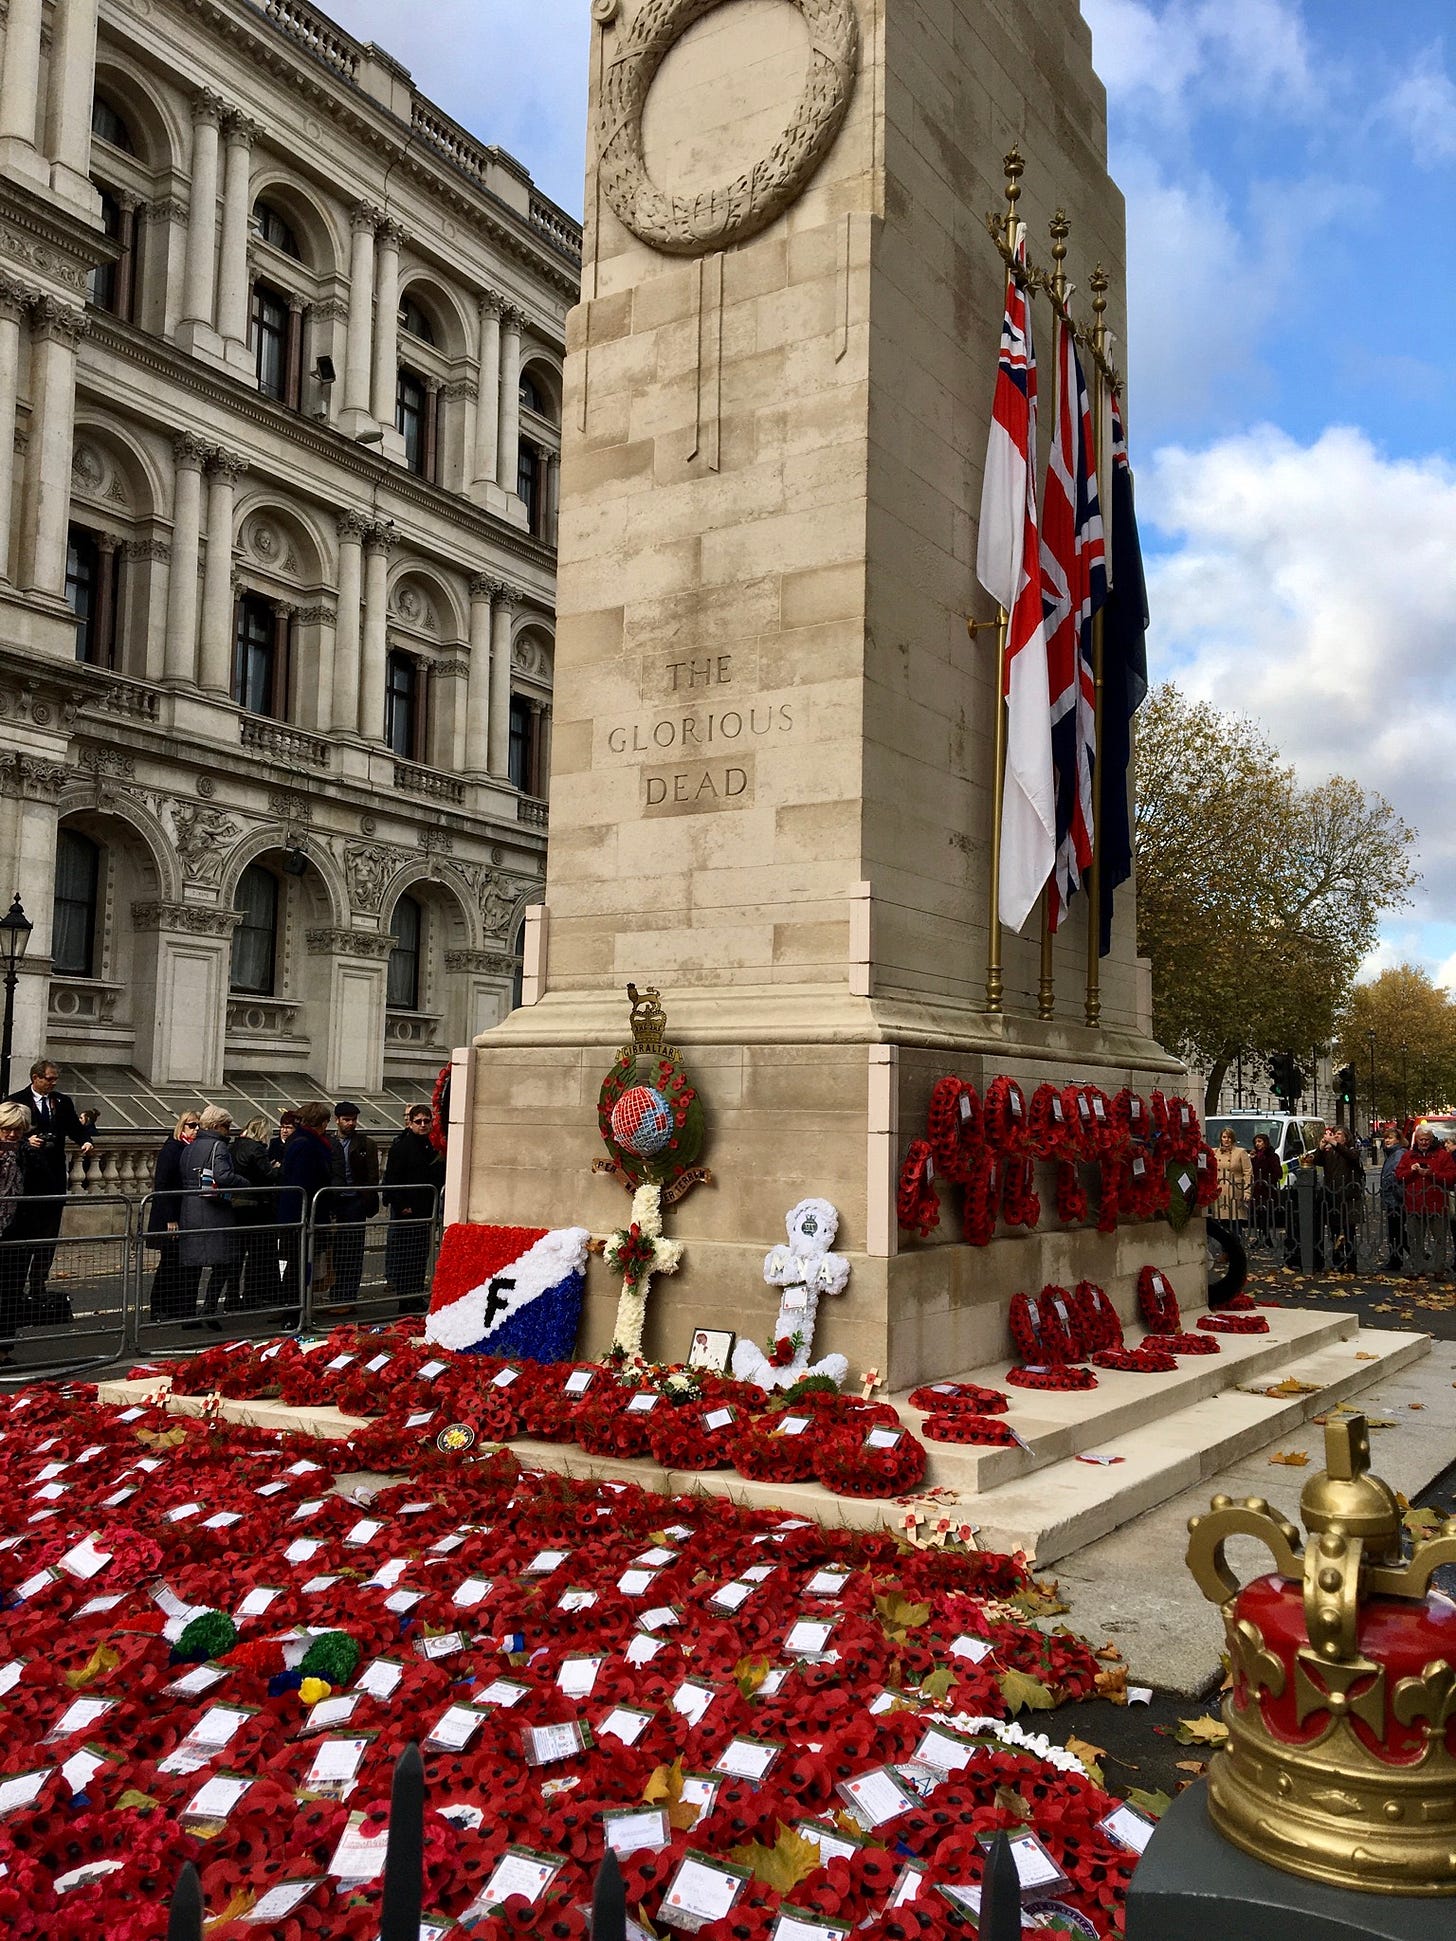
(255,941)
(414,322)
(260,657)
(108,122)
(403,992)
(274,228)
(91,595)
(531,395)
(73,922)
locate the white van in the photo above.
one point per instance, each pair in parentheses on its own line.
(1288,1135)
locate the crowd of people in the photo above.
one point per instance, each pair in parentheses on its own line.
(1416,1200)
(226,1215)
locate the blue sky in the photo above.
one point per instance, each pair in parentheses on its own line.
(1290,170)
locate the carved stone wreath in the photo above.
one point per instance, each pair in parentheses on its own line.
(730,213)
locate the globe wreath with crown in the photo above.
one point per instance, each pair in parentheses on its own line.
(649,1113)
(1341,1757)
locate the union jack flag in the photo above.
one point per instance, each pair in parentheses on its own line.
(1074,587)
(1007,554)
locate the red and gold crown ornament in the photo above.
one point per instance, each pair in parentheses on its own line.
(1341,1757)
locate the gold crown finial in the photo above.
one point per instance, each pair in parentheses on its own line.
(649,1020)
(1340,1764)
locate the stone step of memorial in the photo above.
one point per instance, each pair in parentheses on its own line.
(1057,1423)
(1061,1507)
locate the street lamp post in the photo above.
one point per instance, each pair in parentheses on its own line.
(1404,1081)
(15,929)
(1370,1039)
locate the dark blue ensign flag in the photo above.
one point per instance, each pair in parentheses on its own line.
(1124,679)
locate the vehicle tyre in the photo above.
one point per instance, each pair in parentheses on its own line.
(1228,1264)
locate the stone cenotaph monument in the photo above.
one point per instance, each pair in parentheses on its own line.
(772,762)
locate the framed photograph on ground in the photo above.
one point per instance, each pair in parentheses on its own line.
(712,1348)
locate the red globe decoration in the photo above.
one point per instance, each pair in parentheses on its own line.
(649,1113)
(642,1121)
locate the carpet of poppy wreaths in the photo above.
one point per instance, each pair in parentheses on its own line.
(145,1556)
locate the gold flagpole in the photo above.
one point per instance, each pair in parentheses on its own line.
(1057,290)
(995,981)
(1094,878)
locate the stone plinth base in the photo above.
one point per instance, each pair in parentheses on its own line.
(1191,1885)
(807,1093)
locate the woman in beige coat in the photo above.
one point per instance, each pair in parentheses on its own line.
(1235,1176)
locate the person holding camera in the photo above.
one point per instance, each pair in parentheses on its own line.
(53,1122)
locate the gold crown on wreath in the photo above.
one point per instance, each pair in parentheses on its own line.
(1341,1756)
(649,1021)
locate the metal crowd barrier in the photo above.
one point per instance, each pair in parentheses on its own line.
(176,1271)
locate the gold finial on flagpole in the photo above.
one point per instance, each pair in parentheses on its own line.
(1098,283)
(1015,168)
(1057,285)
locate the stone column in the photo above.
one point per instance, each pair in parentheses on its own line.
(180,660)
(543,753)
(344,715)
(432,431)
(71,84)
(55,331)
(487,410)
(510,400)
(232,267)
(197,304)
(280,698)
(505,600)
(15,301)
(19,87)
(104,642)
(377,541)
(126,262)
(293,354)
(387,239)
(361,321)
(216,675)
(474,758)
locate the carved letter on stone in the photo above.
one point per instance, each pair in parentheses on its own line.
(693,225)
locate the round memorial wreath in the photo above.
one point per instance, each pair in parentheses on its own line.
(662,1075)
(1044,1344)
(952,1398)
(845,1464)
(1049,1135)
(1071,1195)
(917,1206)
(1005,1112)
(955,1128)
(1233,1324)
(1020,1202)
(717,218)
(1158,1305)
(983,1431)
(978,1200)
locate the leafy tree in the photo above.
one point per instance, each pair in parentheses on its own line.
(1403,1009)
(1257,899)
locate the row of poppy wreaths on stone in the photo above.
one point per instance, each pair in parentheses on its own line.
(988,1150)
(682,1419)
(208,1653)
(1058,1332)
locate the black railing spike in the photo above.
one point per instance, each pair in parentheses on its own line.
(1000,1894)
(184,1917)
(609,1902)
(404,1855)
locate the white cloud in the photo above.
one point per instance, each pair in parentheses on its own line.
(1164,62)
(511,71)
(1313,586)
(1423,105)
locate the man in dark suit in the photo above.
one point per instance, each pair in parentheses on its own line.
(353,1201)
(53,1121)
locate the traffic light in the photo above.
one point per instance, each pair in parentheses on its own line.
(1345,1084)
(1286,1078)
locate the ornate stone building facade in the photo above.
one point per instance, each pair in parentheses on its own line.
(280,398)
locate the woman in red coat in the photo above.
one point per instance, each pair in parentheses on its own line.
(1425,1173)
